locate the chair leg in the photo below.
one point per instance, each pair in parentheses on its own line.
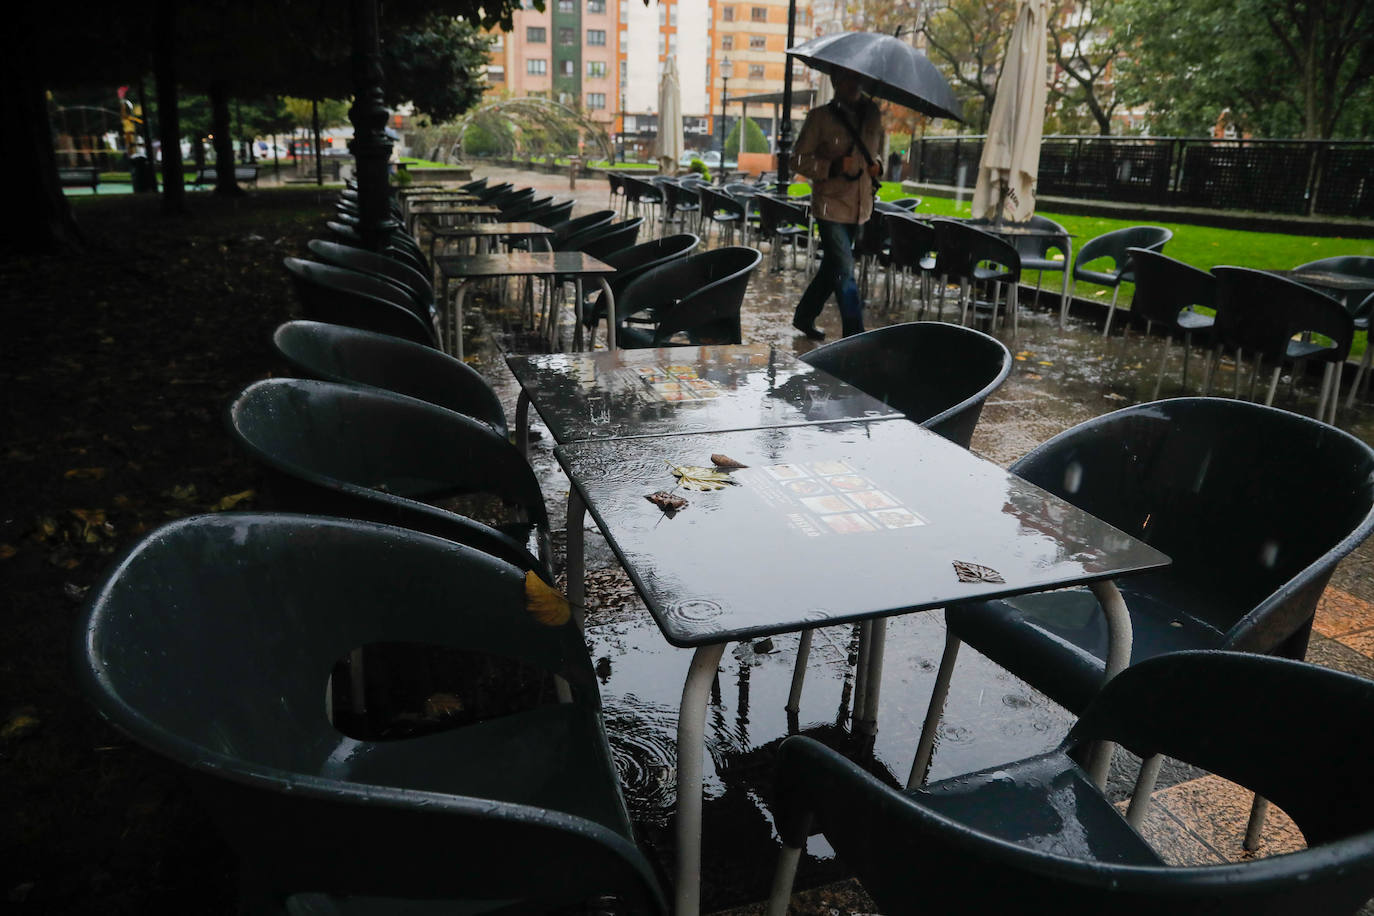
(1255,826)
(1187,349)
(1273,382)
(1066,297)
(1144,785)
(934,711)
(1014,305)
(788,859)
(861,673)
(1111,310)
(799,672)
(1362,374)
(1163,358)
(1211,369)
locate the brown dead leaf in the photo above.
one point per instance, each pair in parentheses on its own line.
(972,572)
(182,492)
(21,723)
(85,474)
(7,551)
(545,602)
(442,705)
(725,461)
(667,501)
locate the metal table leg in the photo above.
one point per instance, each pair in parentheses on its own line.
(691,747)
(575,556)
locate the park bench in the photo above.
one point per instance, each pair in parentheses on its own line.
(82,177)
(208,175)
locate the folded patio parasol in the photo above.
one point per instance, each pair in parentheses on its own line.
(897,71)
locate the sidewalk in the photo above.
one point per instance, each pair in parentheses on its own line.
(1060,378)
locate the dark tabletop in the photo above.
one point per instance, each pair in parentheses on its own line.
(521,263)
(484,229)
(832,523)
(1328,279)
(430,208)
(1014,230)
(676,390)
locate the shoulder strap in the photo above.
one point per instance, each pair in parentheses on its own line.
(853,131)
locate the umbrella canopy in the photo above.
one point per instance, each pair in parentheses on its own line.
(1011,154)
(896,70)
(668,146)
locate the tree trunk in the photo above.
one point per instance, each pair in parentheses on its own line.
(148,134)
(224,141)
(315,131)
(169,118)
(40,219)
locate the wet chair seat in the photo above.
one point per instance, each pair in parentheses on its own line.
(1035,836)
(211,643)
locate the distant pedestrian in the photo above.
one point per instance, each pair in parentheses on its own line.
(836,150)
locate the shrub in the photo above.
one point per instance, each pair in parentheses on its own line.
(700,168)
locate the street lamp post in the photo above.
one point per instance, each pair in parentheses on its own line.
(726,68)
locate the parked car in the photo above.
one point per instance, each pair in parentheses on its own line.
(711,157)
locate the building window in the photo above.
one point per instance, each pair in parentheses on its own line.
(727,13)
(596,36)
(727,42)
(534,35)
(662,16)
(624,69)
(672,15)
(624,12)
(758,13)
(498,42)
(536,66)
(596,6)
(496,74)
(566,36)
(624,39)
(596,100)
(596,69)
(757,43)
(567,67)
(662,45)
(565,6)
(756,71)
(672,42)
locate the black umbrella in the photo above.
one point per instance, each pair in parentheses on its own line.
(897,71)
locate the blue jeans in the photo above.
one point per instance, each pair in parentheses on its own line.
(834,275)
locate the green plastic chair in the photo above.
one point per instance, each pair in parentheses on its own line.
(212,643)
(365,453)
(1036,836)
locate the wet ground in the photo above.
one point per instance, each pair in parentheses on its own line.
(1061,377)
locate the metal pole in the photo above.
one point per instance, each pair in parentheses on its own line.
(724,87)
(370,147)
(785,129)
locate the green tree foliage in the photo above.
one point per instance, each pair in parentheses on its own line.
(967,40)
(754,140)
(1275,68)
(438,65)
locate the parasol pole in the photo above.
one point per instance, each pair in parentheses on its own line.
(785,129)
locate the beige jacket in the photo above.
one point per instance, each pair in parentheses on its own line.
(821,145)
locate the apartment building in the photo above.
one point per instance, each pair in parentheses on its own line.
(566,52)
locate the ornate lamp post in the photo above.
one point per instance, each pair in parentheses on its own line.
(726,68)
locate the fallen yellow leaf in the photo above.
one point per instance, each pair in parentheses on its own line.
(545,602)
(85,474)
(232,500)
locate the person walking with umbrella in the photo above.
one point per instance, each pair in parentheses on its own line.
(839,148)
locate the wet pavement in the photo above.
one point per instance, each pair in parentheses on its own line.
(1061,377)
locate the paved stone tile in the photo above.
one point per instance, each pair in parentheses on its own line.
(1340,614)
(1215,812)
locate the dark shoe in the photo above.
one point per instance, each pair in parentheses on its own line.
(811,331)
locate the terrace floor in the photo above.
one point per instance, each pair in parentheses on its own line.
(1061,377)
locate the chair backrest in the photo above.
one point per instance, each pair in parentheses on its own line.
(637,190)
(938,374)
(565,230)
(1164,287)
(713,202)
(341,296)
(492,192)
(606,238)
(399,273)
(962,247)
(1261,312)
(526,208)
(776,213)
(1254,505)
(211,643)
(1113,245)
(1359,265)
(616,181)
(361,452)
(1039,246)
(629,263)
(399,248)
(336,353)
(910,241)
(907,854)
(475,186)
(906,203)
(700,294)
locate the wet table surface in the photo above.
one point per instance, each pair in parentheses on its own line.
(832,523)
(1335,280)
(429,209)
(475,230)
(676,390)
(520,264)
